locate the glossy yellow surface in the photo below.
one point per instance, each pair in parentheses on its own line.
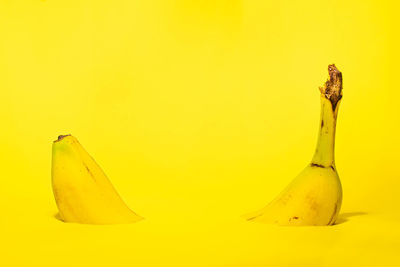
(198,111)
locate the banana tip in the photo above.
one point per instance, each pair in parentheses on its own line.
(332,88)
(61,137)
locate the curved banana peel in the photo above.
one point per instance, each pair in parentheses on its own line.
(82,191)
(314,197)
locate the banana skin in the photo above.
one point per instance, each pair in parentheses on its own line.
(314,197)
(82,191)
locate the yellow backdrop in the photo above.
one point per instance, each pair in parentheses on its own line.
(199,111)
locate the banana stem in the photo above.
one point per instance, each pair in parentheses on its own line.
(331,94)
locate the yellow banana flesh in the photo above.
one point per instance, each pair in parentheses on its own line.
(82,191)
(314,197)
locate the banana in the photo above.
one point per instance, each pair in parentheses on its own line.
(314,197)
(82,191)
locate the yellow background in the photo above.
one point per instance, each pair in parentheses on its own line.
(199,111)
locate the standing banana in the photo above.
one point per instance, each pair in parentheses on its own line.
(82,191)
(314,197)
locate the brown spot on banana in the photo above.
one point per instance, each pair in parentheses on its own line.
(317,165)
(252,218)
(90,172)
(322,166)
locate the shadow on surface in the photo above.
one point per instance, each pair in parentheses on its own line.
(344,217)
(57,216)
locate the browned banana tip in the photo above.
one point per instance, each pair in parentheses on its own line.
(335,76)
(61,137)
(332,89)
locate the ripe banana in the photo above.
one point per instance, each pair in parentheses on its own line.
(82,191)
(314,197)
